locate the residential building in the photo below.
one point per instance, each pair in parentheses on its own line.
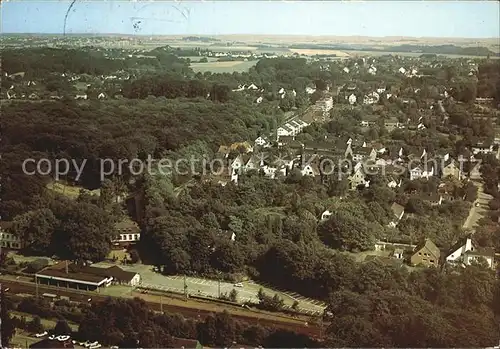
(326,215)
(7,238)
(352,99)
(482,148)
(426,253)
(451,169)
(127,232)
(421,171)
(484,254)
(457,251)
(398,212)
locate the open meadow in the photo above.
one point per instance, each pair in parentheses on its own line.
(223,67)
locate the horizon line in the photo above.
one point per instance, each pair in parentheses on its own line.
(257,35)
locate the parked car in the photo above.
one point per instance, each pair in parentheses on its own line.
(239,284)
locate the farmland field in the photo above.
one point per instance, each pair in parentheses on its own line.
(312,52)
(223,67)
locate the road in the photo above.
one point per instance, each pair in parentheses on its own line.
(187,309)
(210,288)
(477,212)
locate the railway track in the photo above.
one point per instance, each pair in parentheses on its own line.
(17,287)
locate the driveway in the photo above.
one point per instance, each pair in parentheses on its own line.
(477,212)
(210,288)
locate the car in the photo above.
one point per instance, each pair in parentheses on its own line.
(239,284)
(38,335)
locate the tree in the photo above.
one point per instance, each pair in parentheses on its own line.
(62,328)
(8,329)
(134,256)
(233,295)
(35,325)
(84,233)
(346,232)
(36,228)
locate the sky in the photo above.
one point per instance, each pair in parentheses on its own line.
(465,19)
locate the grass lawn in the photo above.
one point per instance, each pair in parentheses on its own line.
(68,190)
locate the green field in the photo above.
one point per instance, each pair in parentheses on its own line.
(223,67)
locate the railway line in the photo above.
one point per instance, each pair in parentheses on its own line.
(295,325)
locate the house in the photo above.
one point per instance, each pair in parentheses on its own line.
(398,253)
(421,171)
(433,199)
(483,148)
(372,70)
(33,96)
(311,170)
(127,232)
(284,131)
(352,99)
(7,238)
(310,90)
(11,95)
(259,100)
(81,96)
(364,153)
(457,251)
(252,87)
(357,178)
(371,98)
(326,215)
(450,169)
(346,70)
(101,95)
(261,141)
(402,70)
(426,253)
(485,254)
(398,211)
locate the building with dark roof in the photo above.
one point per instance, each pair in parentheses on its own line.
(70,275)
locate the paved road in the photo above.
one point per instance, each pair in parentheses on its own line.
(477,212)
(210,288)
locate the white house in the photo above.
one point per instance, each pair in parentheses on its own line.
(259,100)
(326,215)
(381,90)
(294,93)
(101,95)
(261,141)
(9,240)
(252,87)
(421,171)
(372,70)
(282,90)
(457,252)
(398,212)
(371,98)
(310,90)
(402,70)
(237,163)
(346,70)
(81,97)
(310,170)
(352,99)
(485,254)
(482,148)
